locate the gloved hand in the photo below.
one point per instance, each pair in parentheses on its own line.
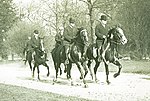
(104,36)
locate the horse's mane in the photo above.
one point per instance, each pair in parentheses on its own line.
(112,30)
(79,30)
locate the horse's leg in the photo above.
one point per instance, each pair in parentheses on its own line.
(56,68)
(95,69)
(120,67)
(107,72)
(81,72)
(33,70)
(45,64)
(89,67)
(85,69)
(38,71)
(68,67)
(60,70)
(65,70)
(30,65)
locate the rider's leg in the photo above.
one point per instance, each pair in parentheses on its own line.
(98,45)
(25,56)
(45,55)
(33,54)
(67,53)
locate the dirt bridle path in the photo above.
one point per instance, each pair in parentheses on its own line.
(126,87)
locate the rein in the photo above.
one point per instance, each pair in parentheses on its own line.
(118,43)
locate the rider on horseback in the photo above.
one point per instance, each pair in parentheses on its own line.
(69,34)
(100,32)
(59,38)
(36,44)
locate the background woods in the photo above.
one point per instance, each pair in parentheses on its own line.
(17,22)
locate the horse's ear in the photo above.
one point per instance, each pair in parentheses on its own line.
(42,37)
(78,29)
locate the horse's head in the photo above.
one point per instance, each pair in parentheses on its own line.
(117,35)
(82,35)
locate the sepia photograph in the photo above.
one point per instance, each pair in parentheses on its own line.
(74,50)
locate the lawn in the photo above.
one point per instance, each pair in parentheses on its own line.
(15,93)
(130,66)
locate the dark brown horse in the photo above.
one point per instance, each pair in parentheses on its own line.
(75,54)
(39,59)
(115,36)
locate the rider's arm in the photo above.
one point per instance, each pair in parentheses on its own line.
(67,35)
(33,43)
(98,33)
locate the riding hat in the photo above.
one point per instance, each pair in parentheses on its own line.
(103,17)
(36,31)
(71,20)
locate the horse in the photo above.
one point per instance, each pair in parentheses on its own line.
(58,58)
(40,59)
(75,54)
(115,36)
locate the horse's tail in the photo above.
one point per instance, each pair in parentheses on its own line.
(25,61)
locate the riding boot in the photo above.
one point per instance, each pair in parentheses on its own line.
(45,56)
(25,57)
(99,55)
(67,58)
(33,54)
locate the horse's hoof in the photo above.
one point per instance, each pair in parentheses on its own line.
(48,74)
(85,86)
(72,83)
(92,77)
(65,71)
(108,82)
(96,81)
(32,76)
(60,73)
(69,77)
(116,74)
(54,80)
(81,78)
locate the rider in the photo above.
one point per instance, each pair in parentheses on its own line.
(100,32)
(69,33)
(36,44)
(59,37)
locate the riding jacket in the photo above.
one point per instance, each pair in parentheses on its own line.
(35,42)
(100,30)
(69,34)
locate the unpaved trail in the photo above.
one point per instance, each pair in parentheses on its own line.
(126,87)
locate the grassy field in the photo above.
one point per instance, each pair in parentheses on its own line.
(15,93)
(130,66)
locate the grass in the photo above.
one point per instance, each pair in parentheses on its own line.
(130,66)
(16,93)
(139,67)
